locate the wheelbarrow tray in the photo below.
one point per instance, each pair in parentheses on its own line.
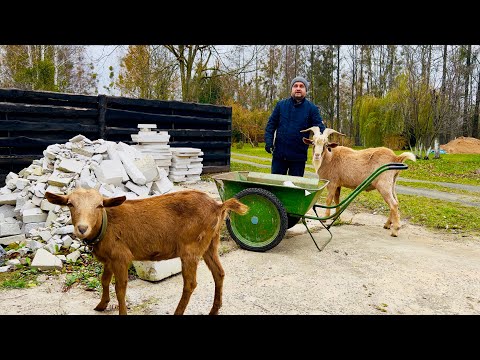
(297,199)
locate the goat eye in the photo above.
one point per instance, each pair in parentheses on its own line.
(99,206)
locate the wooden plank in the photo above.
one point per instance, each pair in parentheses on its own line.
(215,169)
(169,105)
(23,141)
(112,130)
(65,111)
(199,133)
(19,159)
(115,130)
(45,96)
(202,144)
(115,115)
(211,157)
(19,125)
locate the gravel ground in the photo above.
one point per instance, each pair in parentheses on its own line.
(363,270)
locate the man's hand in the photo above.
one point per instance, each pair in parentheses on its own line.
(268,148)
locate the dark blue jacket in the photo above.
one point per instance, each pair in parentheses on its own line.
(288,119)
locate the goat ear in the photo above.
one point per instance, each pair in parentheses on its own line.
(110,202)
(307,141)
(332,145)
(56,199)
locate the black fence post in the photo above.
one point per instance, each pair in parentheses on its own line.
(102,108)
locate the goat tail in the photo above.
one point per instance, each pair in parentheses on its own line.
(406,156)
(234,205)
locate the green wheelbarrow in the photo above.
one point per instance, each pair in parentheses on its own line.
(278,202)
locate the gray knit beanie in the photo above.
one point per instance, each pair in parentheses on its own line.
(301,79)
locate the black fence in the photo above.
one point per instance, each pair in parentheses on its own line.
(32,120)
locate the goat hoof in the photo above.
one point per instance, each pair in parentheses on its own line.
(101,307)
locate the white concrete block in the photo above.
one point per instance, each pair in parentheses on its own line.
(7,229)
(9,199)
(60,179)
(47,205)
(77,138)
(135,174)
(139,190)
(163,185)
(64,230)
(7,211)
(73,256)
(147,126)
(110,172)
(157,270)
(11,239)
(147,166)
(34,215)
(44,260)
(71,166)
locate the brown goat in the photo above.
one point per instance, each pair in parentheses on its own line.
(183,224)
(346,167)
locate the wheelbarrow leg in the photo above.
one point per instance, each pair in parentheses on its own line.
(323,246)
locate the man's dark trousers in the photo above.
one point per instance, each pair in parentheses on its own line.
(294,168)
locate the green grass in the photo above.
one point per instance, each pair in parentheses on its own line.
(23,277)
(456,168)
(431,213)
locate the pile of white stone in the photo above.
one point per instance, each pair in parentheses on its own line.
(41,228)
(186,165)
(155,144)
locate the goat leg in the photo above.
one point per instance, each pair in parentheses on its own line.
(120,270)
(337,198)
(393,221)
(189,274)
(213,262)
(330,196)
(106,278)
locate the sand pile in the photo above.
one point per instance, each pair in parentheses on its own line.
(462,145)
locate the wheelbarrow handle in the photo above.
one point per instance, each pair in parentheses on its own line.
(397,166)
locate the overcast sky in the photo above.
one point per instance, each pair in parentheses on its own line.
(102,57)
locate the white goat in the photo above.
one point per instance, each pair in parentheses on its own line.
(346,167)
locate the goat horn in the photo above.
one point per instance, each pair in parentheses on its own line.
(314,129)
(327,132)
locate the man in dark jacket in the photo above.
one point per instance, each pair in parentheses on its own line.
(287,119)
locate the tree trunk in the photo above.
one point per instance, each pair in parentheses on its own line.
(476,113)
(354,80)
(55,65)
(444,72)
(467,83)
(338,90)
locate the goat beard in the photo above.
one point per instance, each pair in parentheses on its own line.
(317,164)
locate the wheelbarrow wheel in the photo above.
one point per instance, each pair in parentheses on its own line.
(265,224)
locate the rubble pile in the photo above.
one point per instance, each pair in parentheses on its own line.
(42,228)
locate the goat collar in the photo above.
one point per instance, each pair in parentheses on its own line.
(103,230)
